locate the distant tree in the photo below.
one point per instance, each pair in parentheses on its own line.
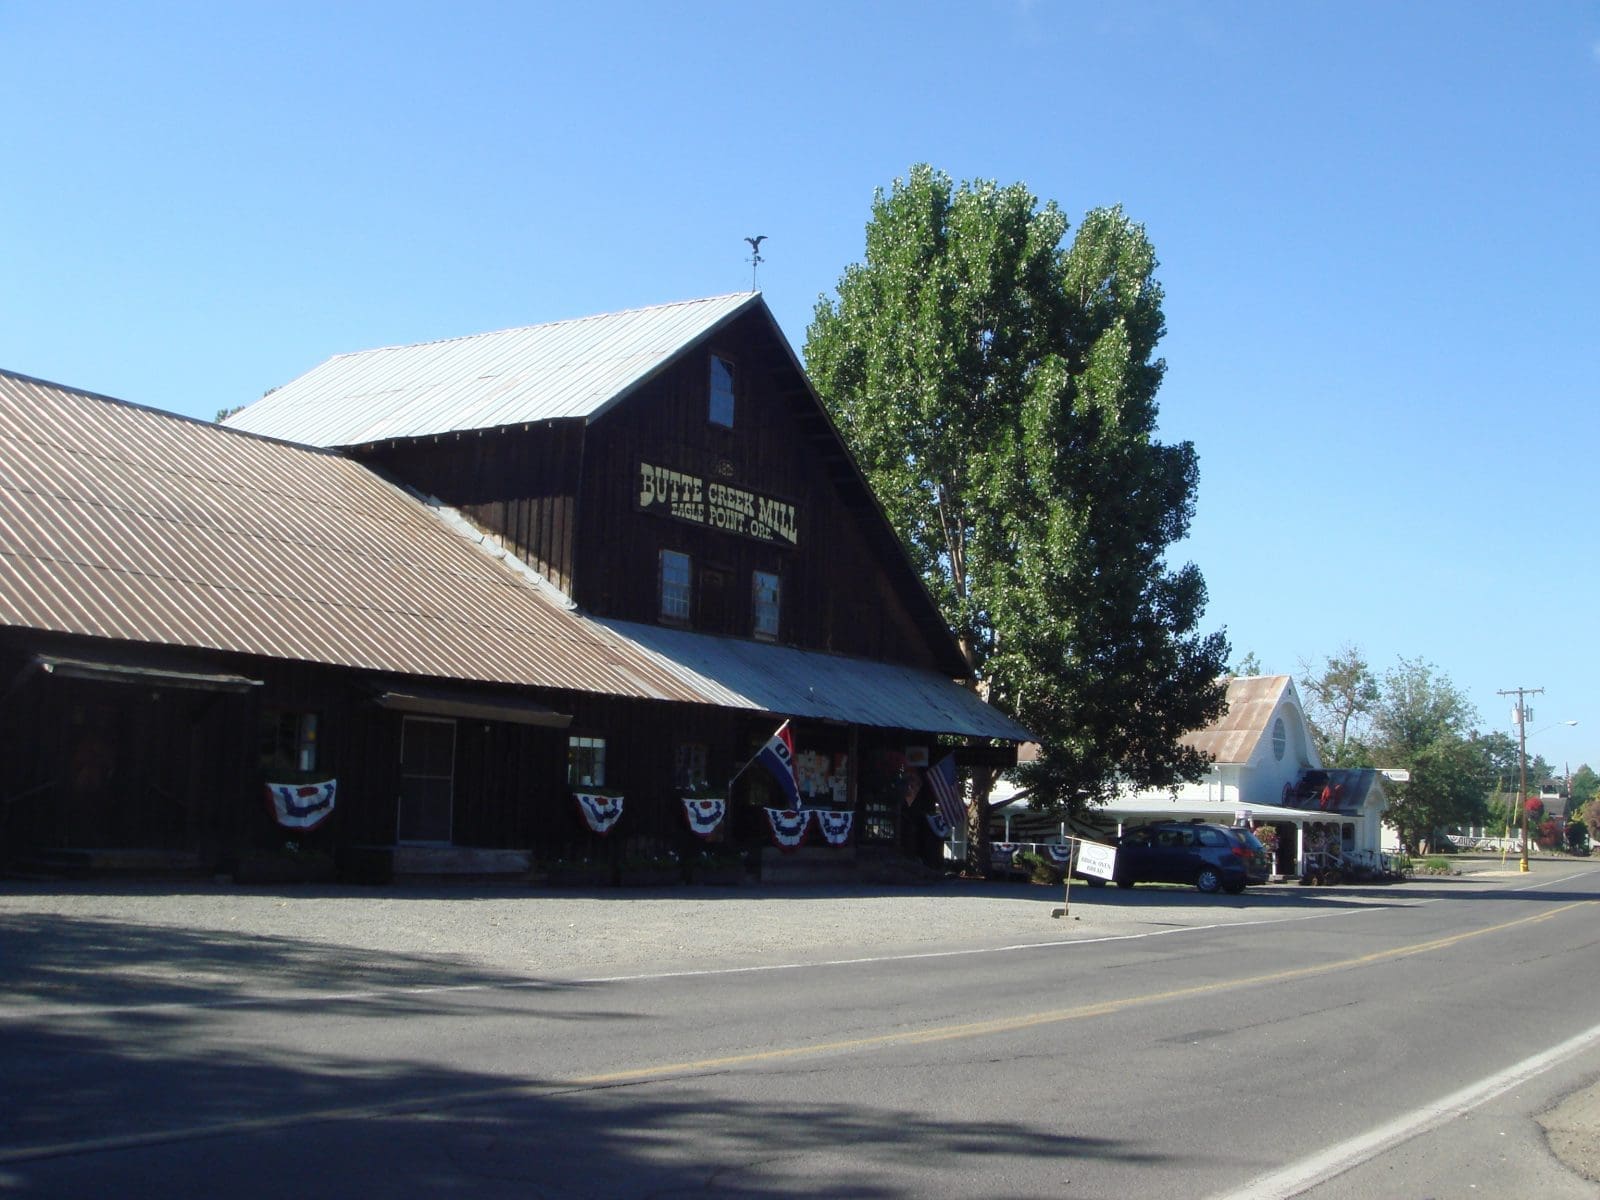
(999,392)
(1423,722)
(1585,787)
(1248,665)
(1342,694)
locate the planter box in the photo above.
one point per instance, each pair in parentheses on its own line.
(580,877)
(284,868)
(650,876)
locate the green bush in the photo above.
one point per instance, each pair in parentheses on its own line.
(1037,868)
(1437,864)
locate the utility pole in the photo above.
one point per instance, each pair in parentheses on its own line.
(1521,714)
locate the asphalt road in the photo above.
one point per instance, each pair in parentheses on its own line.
(1401,1041)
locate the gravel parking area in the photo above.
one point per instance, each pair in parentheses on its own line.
(189,930)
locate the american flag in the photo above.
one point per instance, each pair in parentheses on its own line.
(942,779)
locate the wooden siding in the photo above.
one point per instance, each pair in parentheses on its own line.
(520,483)
(835,593)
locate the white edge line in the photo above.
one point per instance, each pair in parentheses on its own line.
(1340,1157)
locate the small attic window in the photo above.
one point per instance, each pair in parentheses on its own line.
(1280,739)
(721,411)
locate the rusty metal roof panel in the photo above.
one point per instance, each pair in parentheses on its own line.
(565,369)
(1234,736)
(125,523)
(813,685)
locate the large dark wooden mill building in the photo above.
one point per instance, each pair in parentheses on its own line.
(523,602)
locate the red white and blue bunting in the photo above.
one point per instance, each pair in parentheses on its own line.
(600,812)
(301,806)
(835,825)
(788,826)
(704,816)
(1060,855)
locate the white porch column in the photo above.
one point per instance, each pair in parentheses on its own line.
(1299,847)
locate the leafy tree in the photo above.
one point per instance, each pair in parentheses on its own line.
(1249,665)
(1591,816)
(999,391)
(1446,789)
(1341,695)
(1423,722)
(1585,787)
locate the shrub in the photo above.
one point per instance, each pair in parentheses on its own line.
(1037,868)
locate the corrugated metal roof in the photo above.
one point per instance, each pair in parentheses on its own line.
(1234,736)
(575,368)
(811,685)
(125,523)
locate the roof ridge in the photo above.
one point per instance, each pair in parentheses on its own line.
(487,333)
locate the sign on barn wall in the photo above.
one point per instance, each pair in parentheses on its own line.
(717,505)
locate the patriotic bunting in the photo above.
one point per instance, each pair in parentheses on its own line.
(600,812)
(788,826)
(704,815)
(301,806)
(1060,855)
(835,826)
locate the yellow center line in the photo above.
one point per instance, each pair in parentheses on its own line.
(511,1090)
(972,1029)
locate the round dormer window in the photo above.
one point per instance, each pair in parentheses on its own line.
(1280,739)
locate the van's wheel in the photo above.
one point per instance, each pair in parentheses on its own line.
(1208,880)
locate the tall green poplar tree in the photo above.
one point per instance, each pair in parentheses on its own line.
(998,388)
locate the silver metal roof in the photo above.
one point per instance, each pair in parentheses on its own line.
(575,368)
(132,525)
(812,685)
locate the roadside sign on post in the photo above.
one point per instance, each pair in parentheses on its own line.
(1097,860)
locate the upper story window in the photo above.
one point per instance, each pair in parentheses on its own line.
(721,410)
(765,605)
(676,591)
(1280,739)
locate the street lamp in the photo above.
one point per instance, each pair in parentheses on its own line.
(1522,768)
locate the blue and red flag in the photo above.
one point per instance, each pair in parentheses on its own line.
(777,756)
(942,779)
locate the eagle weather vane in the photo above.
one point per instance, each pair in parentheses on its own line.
(755,258)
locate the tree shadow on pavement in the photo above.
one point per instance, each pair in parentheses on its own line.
(120,1078)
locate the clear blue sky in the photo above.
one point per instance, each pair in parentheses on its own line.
(1379,227)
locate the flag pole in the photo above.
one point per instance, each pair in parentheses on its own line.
(756,755)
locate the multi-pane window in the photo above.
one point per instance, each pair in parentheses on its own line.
(586,761)
(689,765)
(288,740)
(676,592)
(721,411)
(765,604)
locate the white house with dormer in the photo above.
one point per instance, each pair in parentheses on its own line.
(1265,770)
